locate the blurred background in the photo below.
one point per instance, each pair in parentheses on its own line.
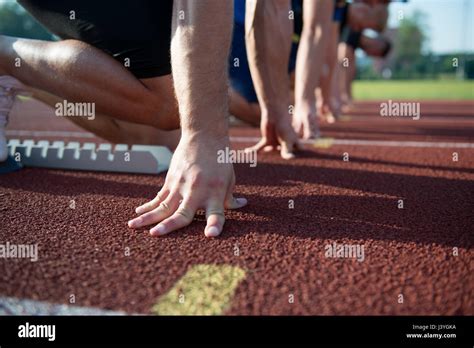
(432,55)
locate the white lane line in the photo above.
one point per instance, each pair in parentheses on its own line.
(59,134)
(358,142)
(15,306)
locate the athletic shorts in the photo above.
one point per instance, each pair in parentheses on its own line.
(239,71)
(352,38)
(341,8)
(297,7)
(137,33)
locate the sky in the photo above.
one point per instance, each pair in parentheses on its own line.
(449,23)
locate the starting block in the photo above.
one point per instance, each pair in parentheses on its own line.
(140,159)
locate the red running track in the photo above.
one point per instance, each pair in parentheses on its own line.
(409,251)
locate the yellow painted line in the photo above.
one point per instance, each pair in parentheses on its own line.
(203,290)
(323,143)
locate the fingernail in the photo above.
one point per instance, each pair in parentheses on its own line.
(137,210)
(212,231)
(135,222)
(158,230)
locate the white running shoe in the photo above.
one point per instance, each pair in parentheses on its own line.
(9,89)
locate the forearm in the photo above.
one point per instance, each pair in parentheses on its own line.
(268,42)
(199,52)
(351,70)
(330,60)
(312,49)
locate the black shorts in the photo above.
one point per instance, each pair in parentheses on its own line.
(137,32)
(352,38)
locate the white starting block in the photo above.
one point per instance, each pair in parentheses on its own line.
(139,159)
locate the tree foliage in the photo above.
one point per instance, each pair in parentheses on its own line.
(15,21)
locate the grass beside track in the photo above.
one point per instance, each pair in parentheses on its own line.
(414,89)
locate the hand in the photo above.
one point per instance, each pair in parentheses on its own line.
(305,121)
(194,180)
(329,113)
(277,133)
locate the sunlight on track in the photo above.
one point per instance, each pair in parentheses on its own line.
(323,143)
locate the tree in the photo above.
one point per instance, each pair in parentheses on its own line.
(409,43)
(15,21)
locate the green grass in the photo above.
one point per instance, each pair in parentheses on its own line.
(416,89)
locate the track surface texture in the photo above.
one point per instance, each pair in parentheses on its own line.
(418,260)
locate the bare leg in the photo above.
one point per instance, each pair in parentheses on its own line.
(117,131)
(76,71)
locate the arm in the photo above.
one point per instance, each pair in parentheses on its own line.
(326,81)
(199,50)
(268,42)
(310,60)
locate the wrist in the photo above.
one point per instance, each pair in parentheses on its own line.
(203,121)
(210,132)
(205,140)
(275,114)
(305,104)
